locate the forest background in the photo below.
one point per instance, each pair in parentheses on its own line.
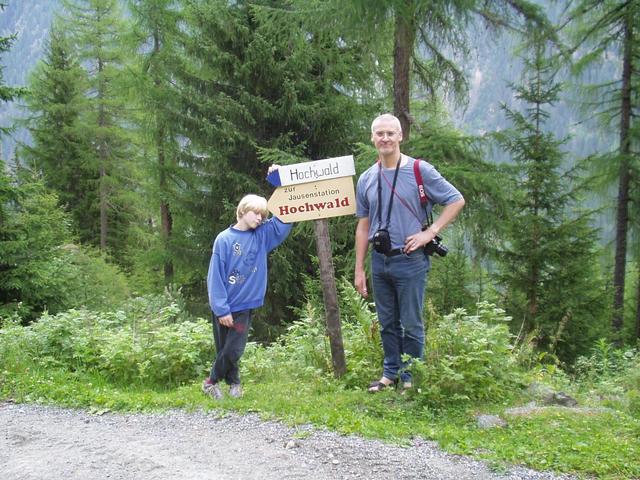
(143,122)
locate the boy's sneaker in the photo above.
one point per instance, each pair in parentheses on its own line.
(235,390)
(212,389)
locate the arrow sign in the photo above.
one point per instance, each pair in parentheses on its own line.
(312,201)
(313,171)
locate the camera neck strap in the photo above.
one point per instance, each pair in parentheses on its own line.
(421,190)
(393,187)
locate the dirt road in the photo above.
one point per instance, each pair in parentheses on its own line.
(42,443)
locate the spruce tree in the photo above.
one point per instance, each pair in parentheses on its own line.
(252,91)
(59,150)
(154,32)
(422,40)
(7,93)
(547,257)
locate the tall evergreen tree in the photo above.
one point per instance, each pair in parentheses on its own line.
(421,39)
(7,93)
(32,230)
(96,29)
(603,28)
(59,150)
(155,32)
(250,89)
(547,257)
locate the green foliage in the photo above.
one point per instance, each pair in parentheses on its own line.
(150,341)
(613,374)
(114,360)
(468,358)
(460,159)
(304,351)
(598,28)
(547,252)
(59,150)
(257,91)
(7,93)
(42,269)
(451,282)
(95,29)
(32,234)
(600,446)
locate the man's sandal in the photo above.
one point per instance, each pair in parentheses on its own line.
(378,386)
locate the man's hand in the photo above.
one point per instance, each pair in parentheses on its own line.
(362,245)
(227,320)
(360,283)
(418,240)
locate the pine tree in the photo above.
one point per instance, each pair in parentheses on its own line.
(7,93)
(603,28)
(548,259)
(154,23)
(59,149)
(32,230)
(96,29)
(251,91)
(422,39)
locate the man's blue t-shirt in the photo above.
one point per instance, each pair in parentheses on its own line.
(407,214)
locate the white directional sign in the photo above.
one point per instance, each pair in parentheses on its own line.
(313,171)
(312,201)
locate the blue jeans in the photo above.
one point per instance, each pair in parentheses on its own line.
(398,286)
(230,344)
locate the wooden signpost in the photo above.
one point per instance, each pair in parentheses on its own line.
(316,191)
(313,201)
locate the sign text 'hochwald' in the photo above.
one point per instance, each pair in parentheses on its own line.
(313,171)
(312,201)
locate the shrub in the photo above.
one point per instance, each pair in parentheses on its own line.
(303,350)
(612,374)
(150,341)
(468,357)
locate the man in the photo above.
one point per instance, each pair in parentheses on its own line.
(391,217)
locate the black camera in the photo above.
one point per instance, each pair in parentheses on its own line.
(382,241)
(436,246)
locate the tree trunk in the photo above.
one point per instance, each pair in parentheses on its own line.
(638,304)
(102,155)
(330,295)
(166,221)
(622,217)
(404,38)
(103,206)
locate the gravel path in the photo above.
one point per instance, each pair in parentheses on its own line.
(44,443)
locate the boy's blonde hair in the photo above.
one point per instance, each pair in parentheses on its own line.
(254,203)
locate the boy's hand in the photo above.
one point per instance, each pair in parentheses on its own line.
(227,320)
(272,168)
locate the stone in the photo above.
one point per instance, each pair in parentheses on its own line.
(490,421)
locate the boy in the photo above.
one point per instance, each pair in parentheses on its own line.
(236,284)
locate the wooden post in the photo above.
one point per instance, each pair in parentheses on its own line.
(330,295)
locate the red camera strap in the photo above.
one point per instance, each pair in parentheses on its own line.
(416,172)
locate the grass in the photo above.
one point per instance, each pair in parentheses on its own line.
(603,445)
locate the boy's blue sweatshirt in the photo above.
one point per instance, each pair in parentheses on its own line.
(237,278)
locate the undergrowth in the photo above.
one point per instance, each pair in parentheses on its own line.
(149,355)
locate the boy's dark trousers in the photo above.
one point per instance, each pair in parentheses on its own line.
(230,343)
